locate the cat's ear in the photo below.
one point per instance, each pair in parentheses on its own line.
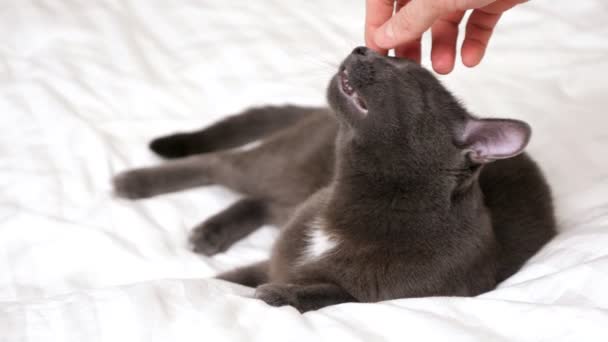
(486,140)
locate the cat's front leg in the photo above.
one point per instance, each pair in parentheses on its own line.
(303,297)
(222,230)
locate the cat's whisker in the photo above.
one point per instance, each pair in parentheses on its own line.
(316,57)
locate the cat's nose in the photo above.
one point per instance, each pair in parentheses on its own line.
(361,50)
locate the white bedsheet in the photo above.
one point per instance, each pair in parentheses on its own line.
(84,85)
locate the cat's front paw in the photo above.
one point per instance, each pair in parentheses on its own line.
(210,238)
(133,184)
(277,295)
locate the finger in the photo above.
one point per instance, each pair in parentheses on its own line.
(445,34)
(478,32)
(409,23)
(411,50)
(501,6)
(377,12)
(399,5)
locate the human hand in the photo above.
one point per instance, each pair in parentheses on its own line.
(403,30)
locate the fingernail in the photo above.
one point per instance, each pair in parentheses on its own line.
(388,31)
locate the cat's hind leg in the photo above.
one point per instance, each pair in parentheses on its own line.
(169,177)
(231,132)
(251,275)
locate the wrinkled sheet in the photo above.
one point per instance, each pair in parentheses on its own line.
(84,85)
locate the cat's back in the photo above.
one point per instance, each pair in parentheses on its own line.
(519,199)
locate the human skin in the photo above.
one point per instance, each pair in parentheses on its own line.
(399,25)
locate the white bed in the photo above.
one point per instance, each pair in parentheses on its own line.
(84,85)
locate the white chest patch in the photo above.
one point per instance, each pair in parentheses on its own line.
(318,242)
(247,147)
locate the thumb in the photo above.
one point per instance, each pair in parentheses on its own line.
(409,23)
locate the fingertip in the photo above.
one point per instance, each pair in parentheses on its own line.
(472,53)
(411,51)
(470,63)
(442,57)
(380,51)
(377,14)
(369,42)
(443,66)
(478,33)
(411,55)
(382,37)
(445,35)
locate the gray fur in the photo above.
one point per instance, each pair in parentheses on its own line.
(410,194)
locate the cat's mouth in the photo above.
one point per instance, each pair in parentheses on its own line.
(349,91)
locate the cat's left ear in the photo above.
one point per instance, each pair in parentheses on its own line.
(487,140)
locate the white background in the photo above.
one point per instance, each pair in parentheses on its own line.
(84,85)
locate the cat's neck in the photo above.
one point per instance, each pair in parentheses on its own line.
(372,208)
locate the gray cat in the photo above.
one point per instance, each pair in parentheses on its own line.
(396,191)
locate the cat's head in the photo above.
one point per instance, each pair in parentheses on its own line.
(398,115)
